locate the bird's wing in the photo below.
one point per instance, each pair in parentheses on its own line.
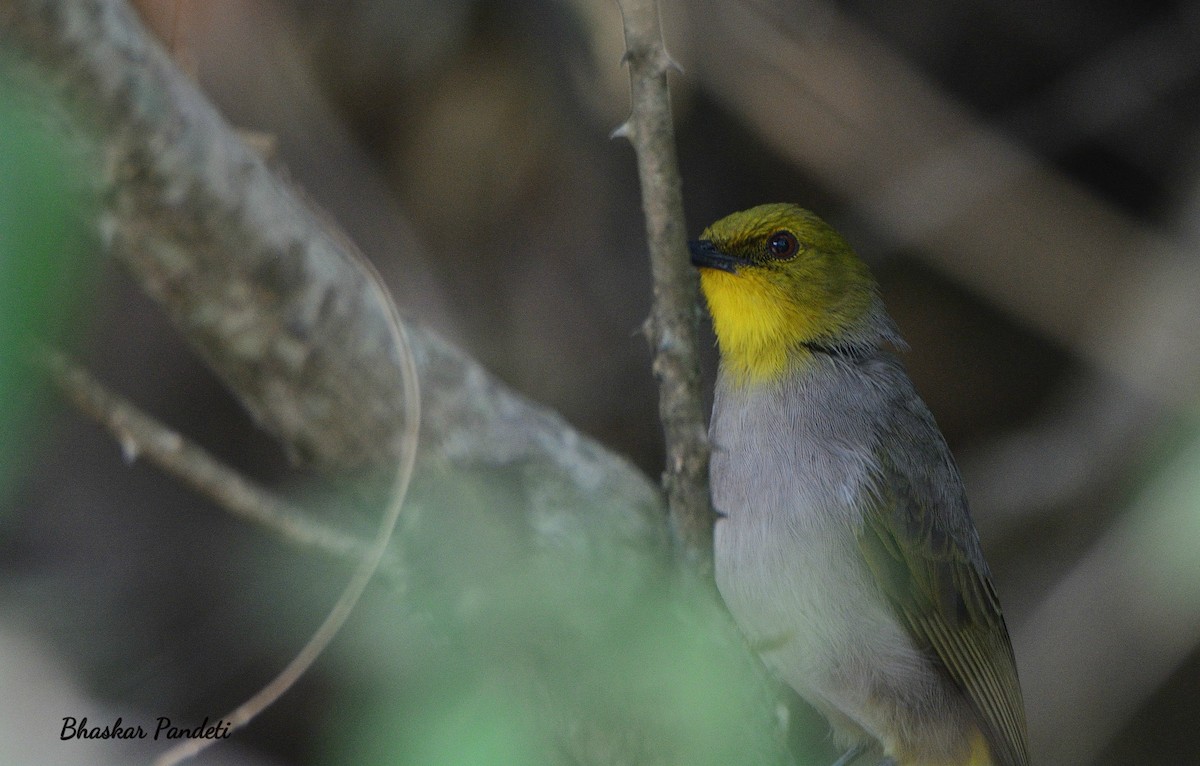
(933,574)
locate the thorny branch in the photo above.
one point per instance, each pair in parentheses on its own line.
(672,326)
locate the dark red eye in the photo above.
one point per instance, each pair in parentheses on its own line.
(782,244)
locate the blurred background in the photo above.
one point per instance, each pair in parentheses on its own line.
(1024,179)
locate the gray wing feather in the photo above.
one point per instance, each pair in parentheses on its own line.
(918,541)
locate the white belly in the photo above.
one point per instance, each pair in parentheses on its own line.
(794,580)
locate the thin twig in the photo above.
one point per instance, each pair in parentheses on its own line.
(367,566)
(369,563)
(672,326)
(142,435)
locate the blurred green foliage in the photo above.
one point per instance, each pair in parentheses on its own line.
(549,655)
(1164,519)
(42,265)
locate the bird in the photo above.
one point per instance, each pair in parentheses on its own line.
(843,545)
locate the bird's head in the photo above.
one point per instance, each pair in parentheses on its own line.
(779,283)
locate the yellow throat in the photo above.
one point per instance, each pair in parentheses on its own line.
(779,282)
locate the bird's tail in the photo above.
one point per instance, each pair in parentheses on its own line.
(981,754)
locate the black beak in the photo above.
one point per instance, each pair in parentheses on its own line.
(705,255)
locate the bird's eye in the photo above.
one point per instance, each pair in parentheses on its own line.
(782,245)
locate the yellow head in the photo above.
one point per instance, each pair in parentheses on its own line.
(781,283)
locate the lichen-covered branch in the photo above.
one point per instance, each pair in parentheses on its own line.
(673,322)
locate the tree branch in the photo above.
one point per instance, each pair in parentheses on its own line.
(273,298)
(672,326)
(141,435)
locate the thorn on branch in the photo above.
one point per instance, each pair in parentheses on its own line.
(647,329)
(670,64)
